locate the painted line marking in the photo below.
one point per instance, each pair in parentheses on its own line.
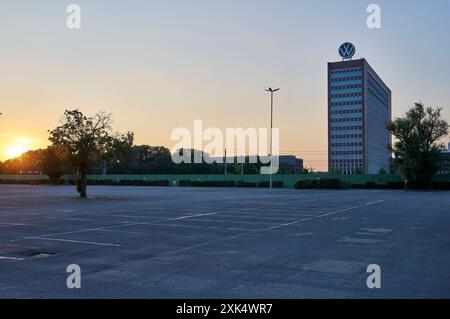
(74,241)
(110,227)
(350,208)
(10,258)
(45,237)
(285,224)
(270,228)
(121,231)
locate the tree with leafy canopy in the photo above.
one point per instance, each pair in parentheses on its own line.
(87,140)
(121,159)
(54,163)
(1,164)
(417,148)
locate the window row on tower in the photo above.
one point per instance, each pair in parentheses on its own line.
(344,128)
(346,119)
(343,71)
(346,95)
(347,144)
(346,136)
(345,103)
(349,111)
(335,162)
(347,78)
(347,152)
(348,86)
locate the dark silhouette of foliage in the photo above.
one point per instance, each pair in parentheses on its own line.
(417,149)
(87,140)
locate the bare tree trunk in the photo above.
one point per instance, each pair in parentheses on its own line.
(83,185)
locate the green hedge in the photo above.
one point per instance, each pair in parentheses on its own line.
(25,182)
(275,184)
(307,184)
(250,181)
(441,185)
(334,183)
(324,183)
(207,183)
(373,185)
(184,183)
(246,184)
(127,182)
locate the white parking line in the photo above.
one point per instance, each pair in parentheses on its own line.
(250,232)
(350,208)
(108,227)
(74,241)
(285,224)
(10,258)
(270,228)
(16,224)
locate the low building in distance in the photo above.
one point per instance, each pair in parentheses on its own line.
(444,162)
(291,164)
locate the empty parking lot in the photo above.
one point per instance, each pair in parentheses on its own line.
(145,242)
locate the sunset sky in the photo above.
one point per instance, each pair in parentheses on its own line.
(159,65)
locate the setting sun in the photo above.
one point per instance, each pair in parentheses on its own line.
(17,146)
(12,146)
(16,150)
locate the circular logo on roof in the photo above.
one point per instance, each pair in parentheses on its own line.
(347,50)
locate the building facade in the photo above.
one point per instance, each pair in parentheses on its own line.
(291,163)
(444,162)
(359,107)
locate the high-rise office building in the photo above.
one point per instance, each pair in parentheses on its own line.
(359,107)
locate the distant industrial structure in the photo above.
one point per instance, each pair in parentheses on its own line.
(359,107)
(444,162)
(291,163)
(286,163)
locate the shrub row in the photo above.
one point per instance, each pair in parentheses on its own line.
(373,185)
(275,184)
(25,182)
(334,183)
(128,182)
(327,183)
(206,183)
(441,185)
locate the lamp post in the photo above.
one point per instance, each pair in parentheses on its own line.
(271,126)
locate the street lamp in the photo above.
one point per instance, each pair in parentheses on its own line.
(271,126)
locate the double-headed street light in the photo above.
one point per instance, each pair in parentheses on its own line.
(271,126)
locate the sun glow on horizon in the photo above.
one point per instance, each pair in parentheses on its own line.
(17,147)
(16,151)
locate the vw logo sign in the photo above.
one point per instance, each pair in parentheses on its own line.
(347,50)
